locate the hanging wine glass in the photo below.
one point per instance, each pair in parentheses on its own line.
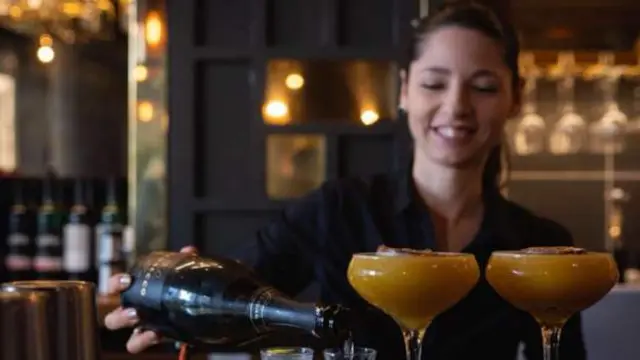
(569,134)
(529,133)
(607,134)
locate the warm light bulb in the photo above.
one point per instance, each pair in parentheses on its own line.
(45,40)
(294,81)
(15,11)
(153,29)
(34,4)
(276,109)
(45,54)
(369,117)
(140,73)
(145,111)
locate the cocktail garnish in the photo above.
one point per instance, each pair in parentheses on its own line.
(555,250)
(385,250)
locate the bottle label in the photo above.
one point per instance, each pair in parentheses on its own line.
(111,247)
(48,241)
(111,259)
(77,248)
(47,264)
(18,258)
(15,262)
(18,240)
(259,301)
(49,253)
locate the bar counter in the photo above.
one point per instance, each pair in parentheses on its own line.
(610,327)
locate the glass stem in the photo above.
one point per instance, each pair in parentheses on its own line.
(551,342)
(413,343)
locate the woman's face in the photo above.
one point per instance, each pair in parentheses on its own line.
(458,95)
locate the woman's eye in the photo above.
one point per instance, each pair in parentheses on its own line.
(433,86)
(486,88)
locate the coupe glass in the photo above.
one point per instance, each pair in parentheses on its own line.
(551,284)
(413,287)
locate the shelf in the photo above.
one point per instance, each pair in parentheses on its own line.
(333,53)
(383,127)
(586,175)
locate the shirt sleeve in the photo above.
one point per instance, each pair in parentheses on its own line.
(571,339)
(285,252)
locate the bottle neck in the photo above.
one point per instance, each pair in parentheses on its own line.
(271,310)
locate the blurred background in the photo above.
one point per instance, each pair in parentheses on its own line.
(193,122)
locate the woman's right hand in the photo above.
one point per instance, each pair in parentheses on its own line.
(121,318)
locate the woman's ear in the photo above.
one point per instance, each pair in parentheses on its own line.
(402,100)
(517,98)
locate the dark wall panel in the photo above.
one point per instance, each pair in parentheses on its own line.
(223,125)
(367,23)
(231,233)
(365,155)
(295,22)
(223,24)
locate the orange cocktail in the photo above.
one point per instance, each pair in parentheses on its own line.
(413,287)
(552,284)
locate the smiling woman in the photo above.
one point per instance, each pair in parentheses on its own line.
(460,83)
(458,98)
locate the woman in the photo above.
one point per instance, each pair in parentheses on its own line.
(459,86)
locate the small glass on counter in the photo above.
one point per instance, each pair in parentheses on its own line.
(358,353)
(287,353)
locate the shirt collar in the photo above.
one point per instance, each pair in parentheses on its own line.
(500,221)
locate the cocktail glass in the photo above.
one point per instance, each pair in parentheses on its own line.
(413,287)
(551,284)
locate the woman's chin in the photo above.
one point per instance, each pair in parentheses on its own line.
(459,160)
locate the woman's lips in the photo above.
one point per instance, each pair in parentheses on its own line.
(454,135)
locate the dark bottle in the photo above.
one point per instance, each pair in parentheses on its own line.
(48,258)
(217,301)
(19,259)
(110,239)
(78,239)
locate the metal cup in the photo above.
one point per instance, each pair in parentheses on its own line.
(72,315)
(23,317)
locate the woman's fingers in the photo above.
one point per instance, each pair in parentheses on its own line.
(189,249)
(118,283)
(121,318)
(141,340)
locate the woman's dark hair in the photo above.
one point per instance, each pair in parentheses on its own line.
(470,15)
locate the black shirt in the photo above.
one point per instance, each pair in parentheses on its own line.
(314,239)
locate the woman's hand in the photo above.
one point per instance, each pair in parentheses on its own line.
(123,318)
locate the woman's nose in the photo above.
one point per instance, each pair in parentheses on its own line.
(458,101)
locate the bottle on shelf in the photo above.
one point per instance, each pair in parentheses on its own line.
(47,262)
(20,245)
(78,238)
(220,302)
(110,243)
